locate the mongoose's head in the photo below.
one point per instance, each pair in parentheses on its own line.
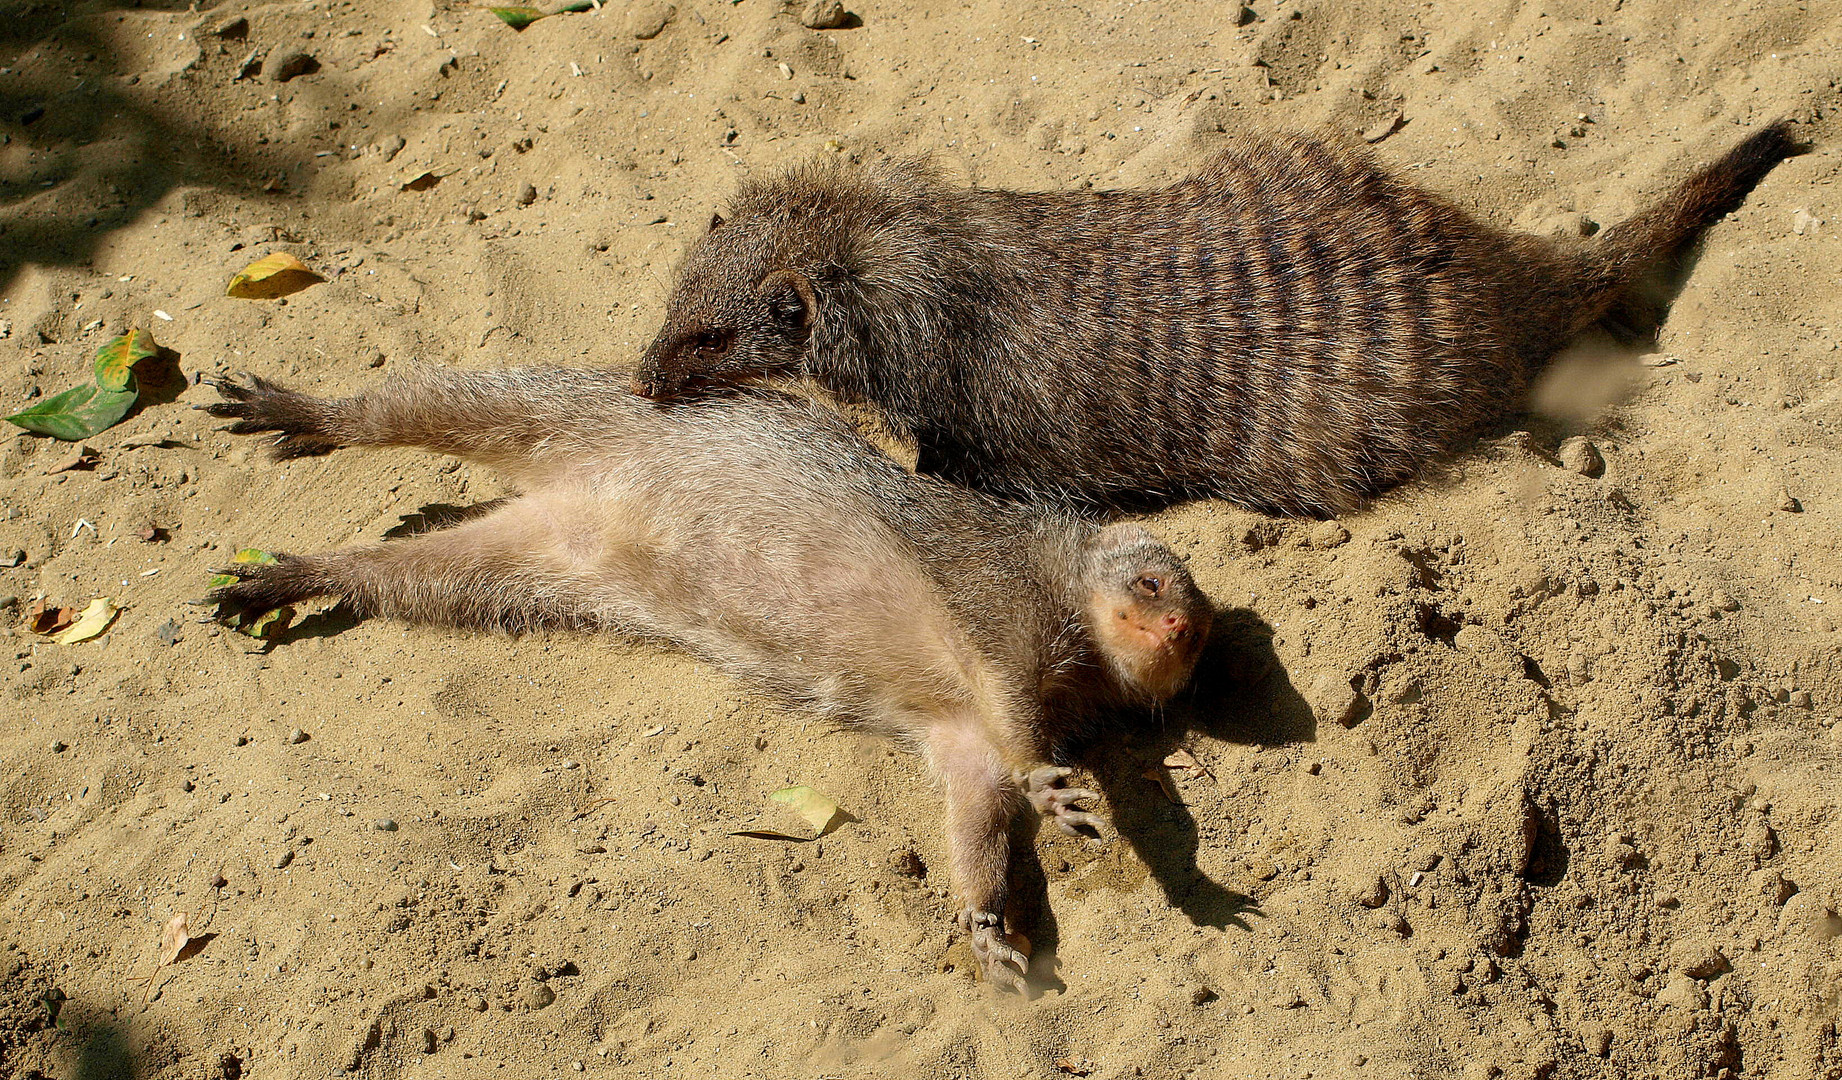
(809,258)
(1145,612)
(737,311)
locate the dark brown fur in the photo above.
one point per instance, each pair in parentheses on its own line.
(762,533)
(1291,328)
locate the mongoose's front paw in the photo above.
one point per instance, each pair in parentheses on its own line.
(256,405)
(1044,789)
(261,587)
(1002,963)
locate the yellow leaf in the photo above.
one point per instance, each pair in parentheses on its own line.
(115,361)
(819,810)
(94,620)
(272,276)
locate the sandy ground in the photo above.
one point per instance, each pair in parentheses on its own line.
(1582,819)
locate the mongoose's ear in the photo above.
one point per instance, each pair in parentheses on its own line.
(716,222)
(790,298)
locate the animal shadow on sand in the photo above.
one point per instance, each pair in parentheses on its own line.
(1241,694)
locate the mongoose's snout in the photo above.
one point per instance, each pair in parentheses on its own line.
(650,380)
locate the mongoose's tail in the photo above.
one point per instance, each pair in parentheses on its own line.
(1637,262)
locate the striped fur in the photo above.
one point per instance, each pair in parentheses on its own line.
(1291,328)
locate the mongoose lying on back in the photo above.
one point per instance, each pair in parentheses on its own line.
(761,533)
(1291,328)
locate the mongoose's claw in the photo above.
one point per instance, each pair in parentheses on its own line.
(262,587)
(254,405)
(1044,789)
(1002,963)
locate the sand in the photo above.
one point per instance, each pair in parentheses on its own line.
(1579,821)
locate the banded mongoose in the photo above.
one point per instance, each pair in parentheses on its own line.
(761,533)
(1291,328)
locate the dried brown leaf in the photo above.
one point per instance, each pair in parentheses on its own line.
(44,619)
(1162,779)
(84,458)
(175,935)
(1181,758)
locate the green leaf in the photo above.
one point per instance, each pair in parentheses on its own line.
(115,361)
(265,625)
(77,413)
(517,17)
(245,555)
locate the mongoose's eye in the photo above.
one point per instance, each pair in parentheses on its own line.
(712,345)
(1148,585)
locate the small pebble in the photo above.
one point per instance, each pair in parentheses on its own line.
(282,860)
(528,195)
(1334,700)
(1580,455)
(824,15)
(385,825)
(218,881)
(1719,600)
(1371,892)
(1683,993)
(293,65)
(537,995)
(58,746)
(646,21)
(297,737)
(429,1041)
(1326,535)
(1385,128)
(1200,994)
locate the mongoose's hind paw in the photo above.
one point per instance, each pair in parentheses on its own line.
(255,405)
(263,587)
(1003,964)
(1045,791)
